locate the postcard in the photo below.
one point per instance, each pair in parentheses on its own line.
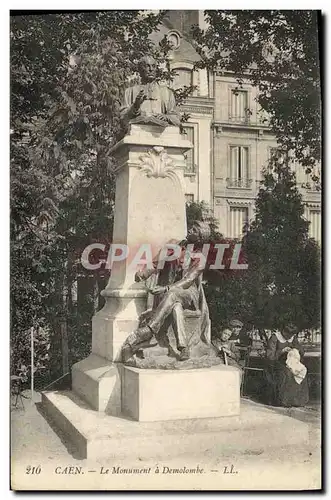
(165,250)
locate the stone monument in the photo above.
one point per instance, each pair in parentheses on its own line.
(116,410)
(149,212)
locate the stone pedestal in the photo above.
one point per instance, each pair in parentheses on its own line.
(150,196)
(152,395)
(97,435)
(98,382)
(149,210)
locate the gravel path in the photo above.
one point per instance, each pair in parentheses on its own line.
(34,443)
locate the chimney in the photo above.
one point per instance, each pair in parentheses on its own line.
(183,20)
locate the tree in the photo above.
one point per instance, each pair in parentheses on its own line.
(278,52)
(67,72)
(200,211)
(283,273)
(282,281)
(225,289)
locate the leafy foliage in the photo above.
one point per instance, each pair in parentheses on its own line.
(200,211)
(224,288)
(67,74)
(282,281)
(278,52)
(20,354)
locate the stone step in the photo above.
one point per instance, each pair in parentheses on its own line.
(96,435)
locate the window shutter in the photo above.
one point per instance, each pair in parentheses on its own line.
(315,225)
(238,218)
(239,105)
(244,163)
(234,162)
(190,167)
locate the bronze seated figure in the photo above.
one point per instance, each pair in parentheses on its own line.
(178,320)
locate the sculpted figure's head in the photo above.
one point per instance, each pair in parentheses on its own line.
(147,69)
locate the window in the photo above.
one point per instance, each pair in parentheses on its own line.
(189,198)
(239,167)
(315,225)
(238,218)
(182,78)
(190,154)
(239,105)
(173,38)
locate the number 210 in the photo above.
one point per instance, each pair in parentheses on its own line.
(33,470)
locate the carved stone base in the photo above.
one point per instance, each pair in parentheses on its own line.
(98,382)
(165,362)
(151,395)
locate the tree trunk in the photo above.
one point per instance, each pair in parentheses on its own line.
(65,347)
(64,324)
(95,294)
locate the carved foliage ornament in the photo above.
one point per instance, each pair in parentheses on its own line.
(156,163)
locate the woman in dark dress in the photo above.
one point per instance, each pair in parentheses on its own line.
(286,374)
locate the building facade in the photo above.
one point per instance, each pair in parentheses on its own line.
(231,140)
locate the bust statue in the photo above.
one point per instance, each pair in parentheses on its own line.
(149,102)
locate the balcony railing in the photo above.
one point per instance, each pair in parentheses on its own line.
(312,186)
(239,183)
(245,119)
